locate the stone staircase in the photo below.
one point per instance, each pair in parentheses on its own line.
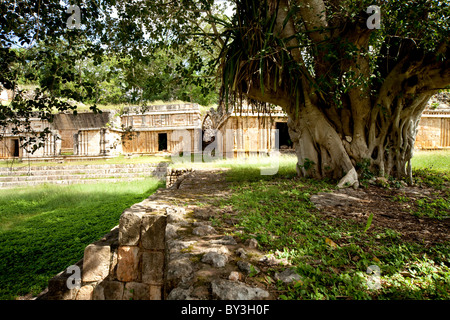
(79,174)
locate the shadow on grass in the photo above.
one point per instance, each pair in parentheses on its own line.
(279,214)
(46,229)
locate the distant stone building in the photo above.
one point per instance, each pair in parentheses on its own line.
(434,125)
(173,128)
(247,132)
(11,144)
(434,130)
(157,128)
(141,130)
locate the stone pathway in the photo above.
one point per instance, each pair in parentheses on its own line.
(203,261)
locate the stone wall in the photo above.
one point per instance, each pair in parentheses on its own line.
(174,175)
(434,130)
(166,247)
(126,264)
(51,147)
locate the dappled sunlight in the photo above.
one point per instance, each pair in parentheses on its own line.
(332,255)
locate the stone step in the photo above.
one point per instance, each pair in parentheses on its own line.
(16,184)
(61,172)
(81,176)
(26,168)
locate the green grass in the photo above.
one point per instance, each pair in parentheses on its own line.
(247,168)
(278,212)
(45,229)
(435,160)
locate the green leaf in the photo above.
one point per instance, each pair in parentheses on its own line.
(369,222)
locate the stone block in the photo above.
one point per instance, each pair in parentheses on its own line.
(96,262)
(114,260)
(130,227)
(215,259)
(85,293)
(153,231)
(153,267)
(136,291)
(108,290)
(128,263)
(155,292)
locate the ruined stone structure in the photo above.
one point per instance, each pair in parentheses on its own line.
(166,248)
(180,127)
(126,264)
(156,128)
(245,132)
(142,130)
(434,130)
(11,146)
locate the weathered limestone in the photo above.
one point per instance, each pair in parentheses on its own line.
(156,253)
(153,232)
(174,177)
(96,262)
(232,290)
(153,268)
(129,227)
(288,276)
(215,259)
(128,263)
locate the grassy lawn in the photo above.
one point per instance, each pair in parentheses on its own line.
(45,229)
(333,255)
(436,160)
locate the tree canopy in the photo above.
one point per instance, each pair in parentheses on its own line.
(353,93)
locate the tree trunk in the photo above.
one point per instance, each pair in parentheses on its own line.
(342,119)
(331,147)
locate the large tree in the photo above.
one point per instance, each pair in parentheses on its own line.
(353,88)
(354,94)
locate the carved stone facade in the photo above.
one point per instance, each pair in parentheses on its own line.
(245,133)
(157,128)
(434,130)
(144,130)
(180,127)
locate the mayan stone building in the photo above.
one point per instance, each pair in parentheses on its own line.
(153,129)
(434,130)
(173,128)
(11,143)
(86,134)
(246,132)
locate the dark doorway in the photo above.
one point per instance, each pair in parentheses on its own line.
(285,139)
(162,141)
(15,148)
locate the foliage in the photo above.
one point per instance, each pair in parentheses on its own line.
(332,256)
(45,229)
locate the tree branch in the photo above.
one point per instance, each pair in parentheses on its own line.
(313,13)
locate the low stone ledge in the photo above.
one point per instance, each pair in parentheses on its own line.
(127,263)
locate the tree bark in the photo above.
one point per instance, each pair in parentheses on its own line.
(340,121)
